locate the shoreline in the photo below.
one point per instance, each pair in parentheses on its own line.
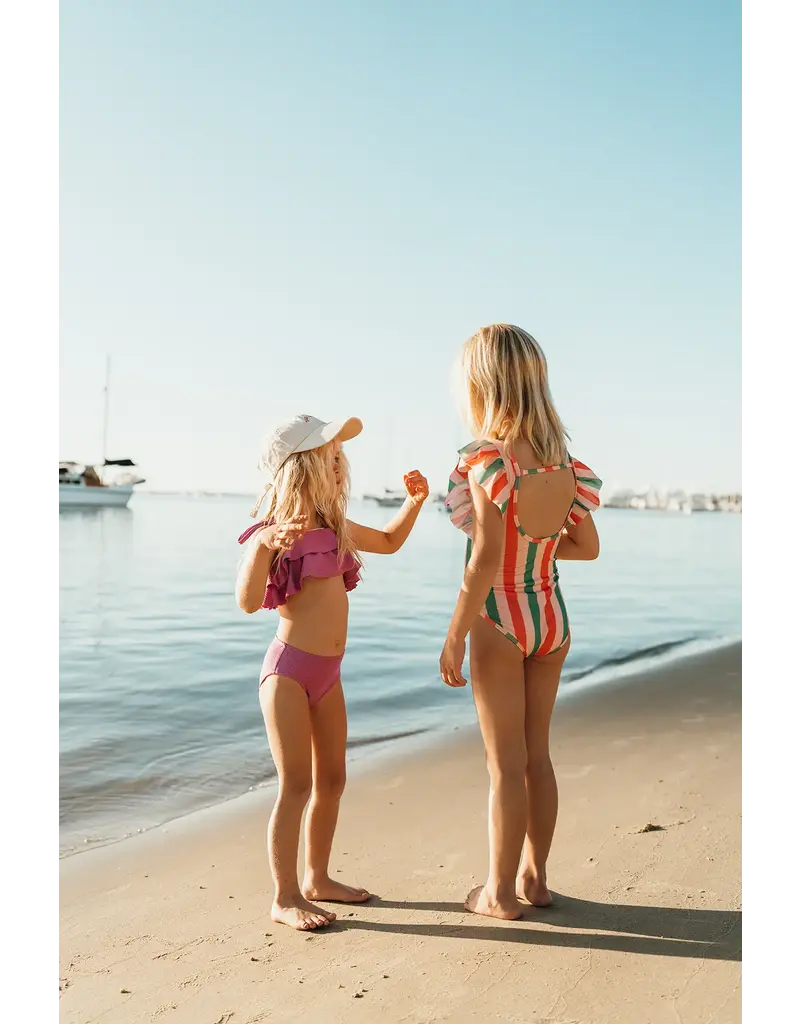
(645,866)
(372,754)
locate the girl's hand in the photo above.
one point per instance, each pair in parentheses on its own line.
(451,661)
(416,486)
(283,537)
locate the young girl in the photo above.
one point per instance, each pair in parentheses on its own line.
(303,560)
(524,502)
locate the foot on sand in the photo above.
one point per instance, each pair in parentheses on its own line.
(534,890)
(300,914)
(479,903)
(330,891)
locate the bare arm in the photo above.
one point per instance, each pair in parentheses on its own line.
(394,535)
(253,576)
(484,561)
(580,543)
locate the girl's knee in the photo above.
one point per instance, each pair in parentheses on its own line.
(330,784)
(539,764)
(295,788)
(506,768)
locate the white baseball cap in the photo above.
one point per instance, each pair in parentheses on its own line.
(300,434)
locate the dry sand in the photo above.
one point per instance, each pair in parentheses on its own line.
(174,925)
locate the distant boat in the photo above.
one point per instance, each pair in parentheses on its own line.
(389,498)
(83,486)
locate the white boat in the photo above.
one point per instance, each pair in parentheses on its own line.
(86,486)
(389,498)
(83,487)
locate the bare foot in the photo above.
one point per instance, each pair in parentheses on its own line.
(534,891)
(330,891)
(300,914)
(479,903)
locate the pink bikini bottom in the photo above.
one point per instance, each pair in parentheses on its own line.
(314,672)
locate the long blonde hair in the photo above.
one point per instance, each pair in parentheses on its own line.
(306,482)
(504,373)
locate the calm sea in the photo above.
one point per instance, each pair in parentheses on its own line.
(159,669)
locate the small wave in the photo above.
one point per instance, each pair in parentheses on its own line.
(654,651)
(611,669)
(367,741)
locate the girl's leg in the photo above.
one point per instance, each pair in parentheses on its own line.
(328,745)
(499,692)
(286,716)
(542,677)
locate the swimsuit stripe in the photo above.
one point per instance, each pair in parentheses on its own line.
(530,588)
(511,595)
(491,608)
(490,471)
(549,614)
(564,617)
(525,602)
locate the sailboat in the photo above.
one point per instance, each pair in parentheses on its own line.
(110,485)
(389,498)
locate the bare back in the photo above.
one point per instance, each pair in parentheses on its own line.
(544,499)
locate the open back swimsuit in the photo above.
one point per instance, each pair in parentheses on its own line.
(315,554)
(525,602)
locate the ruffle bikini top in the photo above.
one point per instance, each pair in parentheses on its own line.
(315,554)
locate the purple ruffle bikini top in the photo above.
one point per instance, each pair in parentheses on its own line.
(315,554)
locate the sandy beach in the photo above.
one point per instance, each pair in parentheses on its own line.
(174,925)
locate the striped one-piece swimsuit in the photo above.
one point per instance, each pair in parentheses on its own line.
(525,602)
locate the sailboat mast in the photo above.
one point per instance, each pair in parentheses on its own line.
(105,409)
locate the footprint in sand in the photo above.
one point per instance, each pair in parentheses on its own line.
(447,863)
(392,784)
(576,773)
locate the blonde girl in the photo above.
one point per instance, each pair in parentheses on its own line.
(303,559)
(525,504)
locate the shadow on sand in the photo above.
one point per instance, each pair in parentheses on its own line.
(656,931)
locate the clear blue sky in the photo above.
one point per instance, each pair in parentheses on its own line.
(269,208)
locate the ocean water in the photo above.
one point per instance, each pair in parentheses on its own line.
(159,711)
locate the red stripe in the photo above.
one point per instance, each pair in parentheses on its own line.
(498,484)
(509,575)
(547,593)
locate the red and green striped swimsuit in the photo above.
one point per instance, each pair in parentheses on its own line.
(525,602)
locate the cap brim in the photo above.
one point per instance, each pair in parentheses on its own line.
(342,431)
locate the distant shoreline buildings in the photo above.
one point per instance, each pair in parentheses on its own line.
(674,501)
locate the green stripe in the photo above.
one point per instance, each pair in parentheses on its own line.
(491,608)
(543,469)
(560,600)
(590,481)
(530,595)
(489,471)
